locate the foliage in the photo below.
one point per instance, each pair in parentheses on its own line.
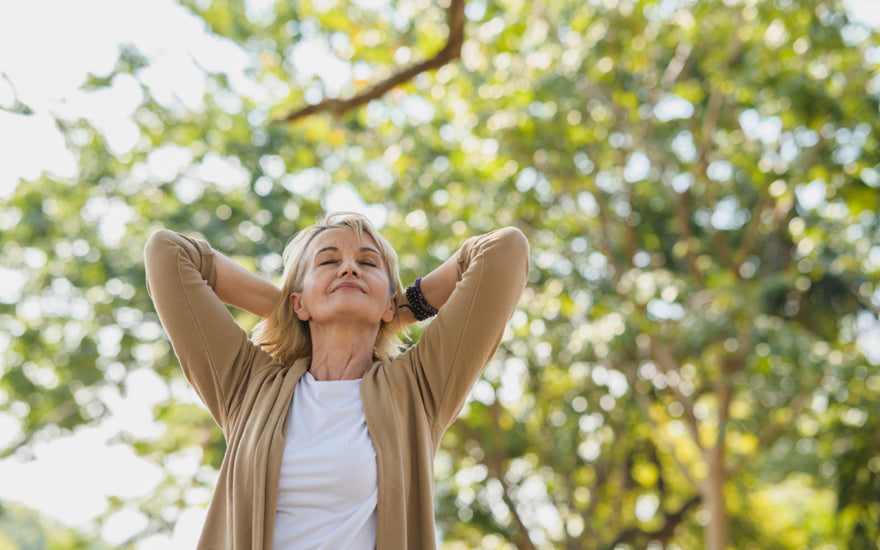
(22,529)
(698,181)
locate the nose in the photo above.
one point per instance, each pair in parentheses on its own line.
(349,267)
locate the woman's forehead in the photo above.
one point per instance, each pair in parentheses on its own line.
(341,237)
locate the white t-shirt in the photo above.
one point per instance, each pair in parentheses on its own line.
(328,488)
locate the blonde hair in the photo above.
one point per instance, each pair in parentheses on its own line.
(283,335)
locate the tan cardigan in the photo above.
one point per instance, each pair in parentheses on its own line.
(408,401)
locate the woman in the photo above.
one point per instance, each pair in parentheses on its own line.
(331,432)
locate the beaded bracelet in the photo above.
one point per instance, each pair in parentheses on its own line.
(417,303)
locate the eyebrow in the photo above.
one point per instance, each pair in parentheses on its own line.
(335,249)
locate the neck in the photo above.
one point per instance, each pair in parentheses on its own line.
(341,352)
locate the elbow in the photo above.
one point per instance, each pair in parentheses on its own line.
(515,245)
(160,240)
(156,254)
(515,240)
(508,249)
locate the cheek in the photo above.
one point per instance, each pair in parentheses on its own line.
(311,280)
(380,282)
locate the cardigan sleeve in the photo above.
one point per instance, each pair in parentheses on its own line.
(460,341)
(214,352)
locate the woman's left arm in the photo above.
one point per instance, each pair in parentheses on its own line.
(476,292)
(436,287)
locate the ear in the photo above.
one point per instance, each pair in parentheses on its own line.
(388,316)
(296,302)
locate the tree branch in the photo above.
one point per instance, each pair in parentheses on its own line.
(770,434)
(730,365)
(452,50)
(662,534)
(683,219)
(662,437)
(17,106)
(673,70)
(753,231)
(604,242)
(664,359)
(495,464)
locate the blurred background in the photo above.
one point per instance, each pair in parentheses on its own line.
(694,363)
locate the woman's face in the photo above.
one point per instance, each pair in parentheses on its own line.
(345,279)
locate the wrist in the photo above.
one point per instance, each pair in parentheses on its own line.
(417,303)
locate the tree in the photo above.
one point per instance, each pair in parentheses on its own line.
(698,181)
(22,529)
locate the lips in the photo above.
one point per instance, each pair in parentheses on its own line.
(348,286)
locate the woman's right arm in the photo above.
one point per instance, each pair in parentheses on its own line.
(214,352)
(240,288)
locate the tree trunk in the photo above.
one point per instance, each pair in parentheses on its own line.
(713,498)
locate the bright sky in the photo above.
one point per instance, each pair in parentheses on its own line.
(44,59)
(47,47)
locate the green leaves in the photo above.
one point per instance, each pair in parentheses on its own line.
(697,183)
